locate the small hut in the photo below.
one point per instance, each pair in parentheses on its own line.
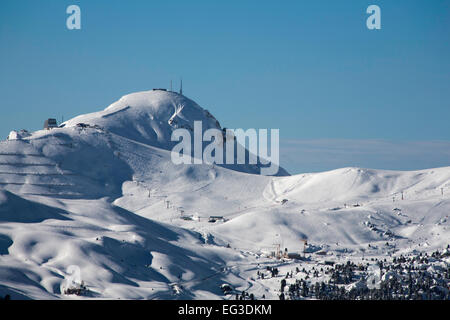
(50,124)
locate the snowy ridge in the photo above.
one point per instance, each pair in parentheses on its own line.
(358,183)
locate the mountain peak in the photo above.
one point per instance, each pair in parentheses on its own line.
(149,117)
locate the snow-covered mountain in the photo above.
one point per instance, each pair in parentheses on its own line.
(102,193)
(150,117)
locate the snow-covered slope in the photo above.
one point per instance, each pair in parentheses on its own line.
(350,207)
(107,198)
(119,254)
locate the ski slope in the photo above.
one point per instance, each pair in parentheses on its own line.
(105,197)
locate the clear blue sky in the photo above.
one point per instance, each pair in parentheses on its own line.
(310,68)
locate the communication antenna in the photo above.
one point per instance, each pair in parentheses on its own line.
(170,85)
(181,86)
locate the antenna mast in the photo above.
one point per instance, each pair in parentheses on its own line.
(181,86)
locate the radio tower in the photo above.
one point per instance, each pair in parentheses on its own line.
(181,86)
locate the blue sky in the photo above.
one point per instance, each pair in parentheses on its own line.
(310,68)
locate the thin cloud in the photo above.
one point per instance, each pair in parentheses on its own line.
(327,154)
